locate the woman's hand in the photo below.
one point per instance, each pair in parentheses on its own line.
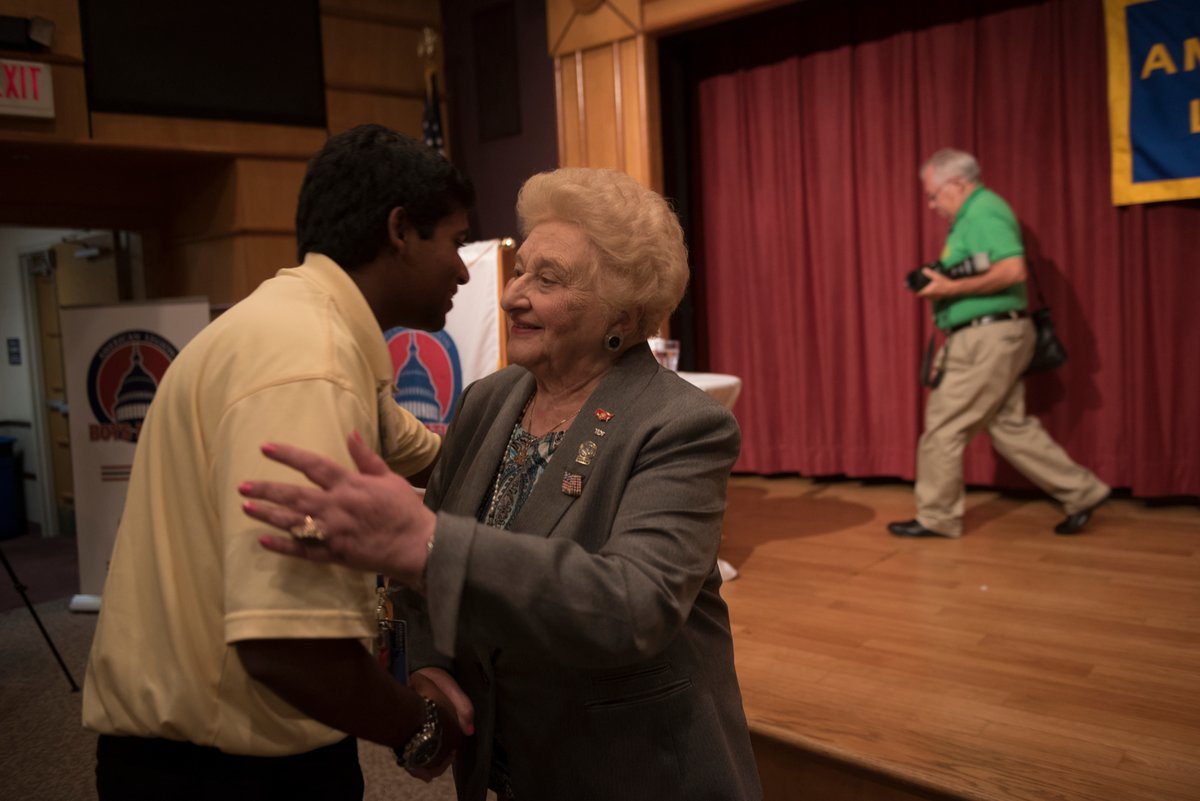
(369,520)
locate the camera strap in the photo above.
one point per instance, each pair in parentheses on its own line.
(931,374)
(1037,288)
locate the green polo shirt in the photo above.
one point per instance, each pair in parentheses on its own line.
(984,224)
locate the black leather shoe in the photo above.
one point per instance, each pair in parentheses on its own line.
(911,528)
(1073,524)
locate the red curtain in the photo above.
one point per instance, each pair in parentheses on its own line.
(809,212)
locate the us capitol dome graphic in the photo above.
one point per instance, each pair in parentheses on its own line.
(136,392)
(415,391)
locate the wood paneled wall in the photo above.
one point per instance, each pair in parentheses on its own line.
(606,76)
(372,71)
(607,108)
(215,199)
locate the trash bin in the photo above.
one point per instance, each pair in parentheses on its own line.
(12,491)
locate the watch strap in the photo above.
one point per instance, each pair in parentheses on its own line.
(423,746)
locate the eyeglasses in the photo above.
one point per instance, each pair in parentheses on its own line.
(932,196)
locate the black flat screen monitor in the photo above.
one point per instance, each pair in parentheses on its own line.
(247,60)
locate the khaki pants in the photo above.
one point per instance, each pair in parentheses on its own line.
(982,389)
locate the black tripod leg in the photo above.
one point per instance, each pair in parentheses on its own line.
(21,590)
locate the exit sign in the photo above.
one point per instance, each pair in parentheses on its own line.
(26,89)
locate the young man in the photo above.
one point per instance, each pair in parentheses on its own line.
(220,670)
(989,344)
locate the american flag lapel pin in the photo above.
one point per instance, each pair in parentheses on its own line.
(572,484)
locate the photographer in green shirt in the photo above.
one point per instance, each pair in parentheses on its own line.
(989,342)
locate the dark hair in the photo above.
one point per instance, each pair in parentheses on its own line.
(356,180)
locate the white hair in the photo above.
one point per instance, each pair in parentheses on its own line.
(948,163)
(641,260)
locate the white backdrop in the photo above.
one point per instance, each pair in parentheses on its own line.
(475,320)
(114,357)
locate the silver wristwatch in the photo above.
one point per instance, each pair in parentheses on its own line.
(422,747)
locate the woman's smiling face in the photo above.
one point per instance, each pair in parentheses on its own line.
(557,322)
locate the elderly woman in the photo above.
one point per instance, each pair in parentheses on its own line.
(567,583)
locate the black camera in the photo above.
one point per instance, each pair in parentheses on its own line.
(971,265)
(917,280)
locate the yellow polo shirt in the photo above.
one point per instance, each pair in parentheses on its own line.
(302,361)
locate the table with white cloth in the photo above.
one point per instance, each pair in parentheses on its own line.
(725,390)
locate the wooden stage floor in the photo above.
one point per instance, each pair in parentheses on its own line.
(1009,665)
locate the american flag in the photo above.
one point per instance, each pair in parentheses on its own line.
(431,124)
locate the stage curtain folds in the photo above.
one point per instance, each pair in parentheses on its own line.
(809,212)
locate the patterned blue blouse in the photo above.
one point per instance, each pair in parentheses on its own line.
(525,458)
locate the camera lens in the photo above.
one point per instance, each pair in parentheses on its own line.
(916,280)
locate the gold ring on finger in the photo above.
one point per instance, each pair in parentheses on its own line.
(309,532)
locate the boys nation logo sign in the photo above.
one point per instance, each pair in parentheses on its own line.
(428,374)
(122,379)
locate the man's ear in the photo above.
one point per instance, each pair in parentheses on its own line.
(397,227)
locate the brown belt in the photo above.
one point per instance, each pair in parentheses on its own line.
(984,319)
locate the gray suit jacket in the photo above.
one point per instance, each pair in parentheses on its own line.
(591,637)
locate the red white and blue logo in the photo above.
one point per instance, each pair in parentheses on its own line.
(122,379)
(428,374)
